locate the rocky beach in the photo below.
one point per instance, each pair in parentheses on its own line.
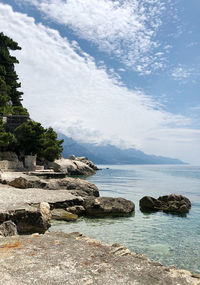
(29,200)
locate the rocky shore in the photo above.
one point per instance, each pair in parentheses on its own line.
(29,201)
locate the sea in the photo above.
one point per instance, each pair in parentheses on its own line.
(166,238)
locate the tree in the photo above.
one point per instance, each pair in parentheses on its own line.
(33,139)
(30,137)
(7,69)
(6,139)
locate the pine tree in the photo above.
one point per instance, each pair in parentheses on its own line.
(7,69)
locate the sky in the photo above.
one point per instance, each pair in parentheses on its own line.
(123,72)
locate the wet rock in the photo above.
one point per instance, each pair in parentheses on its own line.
(169,203)
(149,203)
(108,206)
(61,214)
(8,228)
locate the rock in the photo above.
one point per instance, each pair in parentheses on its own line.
(78,210)
(169,203)
(19,183)
(44,209)
(72,157)
(88,162)
(8,228)
(15,199)
(60,214)
(76,186)
(61,258)
(30,219)
(71,167)
(149,203)
(108,206)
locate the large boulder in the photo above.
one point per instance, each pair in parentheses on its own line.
(169,203)
(108,206)
(85,160)
(29,219)
(71,167)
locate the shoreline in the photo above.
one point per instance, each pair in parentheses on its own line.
(31,248)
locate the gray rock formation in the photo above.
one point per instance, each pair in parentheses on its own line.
(170,203)
(59,258)
(108,206)
(29,219)
(85,160)
(76,186)
(71,167)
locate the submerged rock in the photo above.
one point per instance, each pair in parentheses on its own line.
(169,203)
(108,206)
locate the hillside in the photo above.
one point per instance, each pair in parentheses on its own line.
(110,154)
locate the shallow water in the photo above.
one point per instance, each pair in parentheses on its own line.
(170,239)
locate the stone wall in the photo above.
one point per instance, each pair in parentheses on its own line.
(6,165)
(9,161)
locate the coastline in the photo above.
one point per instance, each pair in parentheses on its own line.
(75,257)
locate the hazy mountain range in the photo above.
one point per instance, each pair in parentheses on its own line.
(110,154)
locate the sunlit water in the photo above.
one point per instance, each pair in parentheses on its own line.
(170,239)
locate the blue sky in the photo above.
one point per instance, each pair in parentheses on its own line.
(124,71)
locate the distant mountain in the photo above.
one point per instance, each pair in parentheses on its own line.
(110,154)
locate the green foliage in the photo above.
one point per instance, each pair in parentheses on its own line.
(51,148)
(30,137)
(33,139)
(19,110)
(7,69)
(6,139)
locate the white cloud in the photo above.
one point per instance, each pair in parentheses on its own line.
(183,73)
(68,91)
(180,73)
(126,29)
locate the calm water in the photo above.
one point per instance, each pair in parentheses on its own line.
(170,239)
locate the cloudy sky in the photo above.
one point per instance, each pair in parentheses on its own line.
(124,72)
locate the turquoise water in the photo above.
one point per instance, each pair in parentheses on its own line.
(170,239)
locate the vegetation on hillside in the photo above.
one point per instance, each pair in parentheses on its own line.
(29,138)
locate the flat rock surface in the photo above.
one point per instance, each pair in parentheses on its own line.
(14,198)
(59,258)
